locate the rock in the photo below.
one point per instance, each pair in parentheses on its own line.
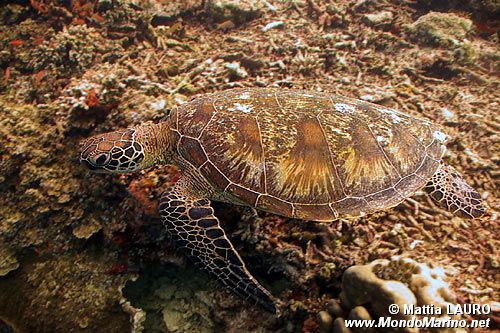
(8,262)
(12,14)
(478,8)
(273,25)
(360,285)
(84,231)
(7,327)
(235,71)
(325,322)
(361,313)
(339,326)
(182,300)
(74,288)
(439,29)
(137,316)
(237,11)
(167,9)
(333,307)
(378,19)
(430,288)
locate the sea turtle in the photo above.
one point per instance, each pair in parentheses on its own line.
(295,153)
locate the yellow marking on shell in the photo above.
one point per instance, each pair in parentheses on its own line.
(341,133)
(361,168)
(305,171)
(301,177)
(230,138)
(396,143)
(244,153)
(247,162)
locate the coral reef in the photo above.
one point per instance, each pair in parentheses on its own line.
(442,29)
(44,209)
(70,51)
(70,241)
(480,8)
(165,10)
(378,19)
(170,303)
(72,295)
(237,11)
(183,300)
(8,261)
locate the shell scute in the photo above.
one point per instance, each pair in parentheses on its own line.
(192,151)
(274,205)
(428,166)
(351,207)
(195,116)
(308,102)
(214,175)
(384,198)
(395,142)
(314,212)
(235,148)
(361,163)
(298,164)
(245,101)
(244,194)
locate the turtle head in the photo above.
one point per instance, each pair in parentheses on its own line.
(126,150)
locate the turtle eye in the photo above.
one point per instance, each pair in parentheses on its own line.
(101,159)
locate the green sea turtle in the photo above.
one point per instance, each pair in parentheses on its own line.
(295,153)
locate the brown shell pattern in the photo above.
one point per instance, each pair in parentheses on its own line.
(307,154)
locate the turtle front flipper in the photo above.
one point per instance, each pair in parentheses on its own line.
(450,191)
(196,231)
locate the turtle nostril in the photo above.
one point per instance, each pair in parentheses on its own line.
(87,150)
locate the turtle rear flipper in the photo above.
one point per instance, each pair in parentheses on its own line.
(450,191)
(196,231)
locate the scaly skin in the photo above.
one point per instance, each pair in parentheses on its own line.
(450,191)
(196,231)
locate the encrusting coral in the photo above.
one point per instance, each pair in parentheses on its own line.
(401,281)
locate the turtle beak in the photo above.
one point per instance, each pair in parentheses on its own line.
(86,148)
(84,152)
(93,168)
